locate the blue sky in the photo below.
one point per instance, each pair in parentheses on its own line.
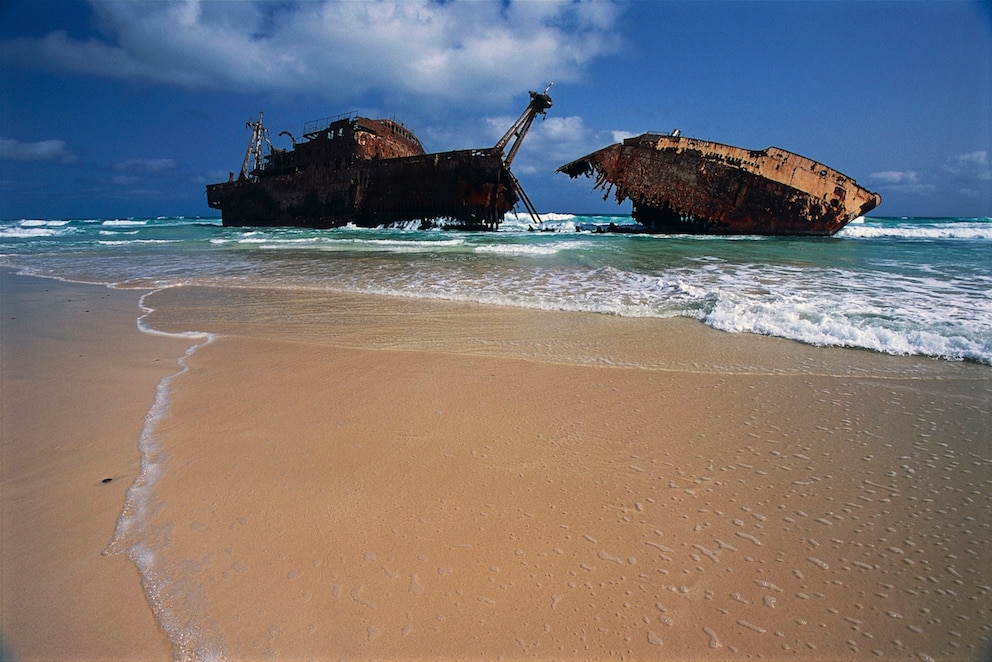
(111,108)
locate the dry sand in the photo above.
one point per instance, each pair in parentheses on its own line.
(358,477)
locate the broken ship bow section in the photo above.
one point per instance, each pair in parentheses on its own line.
(686,185)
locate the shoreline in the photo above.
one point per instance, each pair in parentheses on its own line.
(78,378)
(674,344)
(367,477)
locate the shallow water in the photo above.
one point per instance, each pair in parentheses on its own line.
(916,286)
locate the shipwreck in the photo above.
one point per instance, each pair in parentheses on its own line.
(686,185)
(350,169)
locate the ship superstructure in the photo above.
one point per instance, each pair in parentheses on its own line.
(373,172)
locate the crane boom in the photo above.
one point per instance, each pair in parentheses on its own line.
(539,103)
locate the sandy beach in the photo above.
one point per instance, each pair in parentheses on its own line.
(357,477)
(77,379)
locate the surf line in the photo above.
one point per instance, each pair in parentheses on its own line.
(134,534)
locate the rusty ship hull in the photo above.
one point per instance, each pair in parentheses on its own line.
(692,186)
(373,172)
(469,189)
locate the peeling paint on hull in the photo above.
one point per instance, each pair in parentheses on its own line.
(686,185)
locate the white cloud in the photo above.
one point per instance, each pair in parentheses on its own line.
(895,177)
(620,136)
(564,129)
(552,141)
(458,51)
(972,171)
(560,139)
(125,180)
(900,181)
(146,165)
(549,127)
(44,150)
(972,166)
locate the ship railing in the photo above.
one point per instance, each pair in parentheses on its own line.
(315,126)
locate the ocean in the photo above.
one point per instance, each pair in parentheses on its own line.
(904,286)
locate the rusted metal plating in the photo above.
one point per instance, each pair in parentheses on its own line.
(370,172)
(680,184)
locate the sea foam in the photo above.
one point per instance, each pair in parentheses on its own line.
(171,599)
(936,229)
(900,286)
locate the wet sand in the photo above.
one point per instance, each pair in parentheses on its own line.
(77,380)
(359,477)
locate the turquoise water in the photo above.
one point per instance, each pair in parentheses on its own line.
(920,286)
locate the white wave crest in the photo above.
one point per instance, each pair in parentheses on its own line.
(833,322)
(122,222)
(546,217)
(30,232)
(37,223)
(960,230)
(529,249)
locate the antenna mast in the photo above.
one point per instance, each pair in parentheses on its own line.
(253,157)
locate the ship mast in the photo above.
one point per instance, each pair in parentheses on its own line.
(253,156)
(539,103)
